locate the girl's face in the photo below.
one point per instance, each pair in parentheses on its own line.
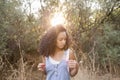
(61,40)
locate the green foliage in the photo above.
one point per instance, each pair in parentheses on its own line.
(16,28)
(97,38)
(109,40)
(109,44)
(3,39)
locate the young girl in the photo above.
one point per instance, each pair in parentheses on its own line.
(59,62)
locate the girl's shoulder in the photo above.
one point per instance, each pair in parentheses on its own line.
(72,54)
(70,51)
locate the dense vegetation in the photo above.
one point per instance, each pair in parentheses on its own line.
(95,30)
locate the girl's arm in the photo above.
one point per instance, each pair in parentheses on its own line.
(73,64)
(41,66)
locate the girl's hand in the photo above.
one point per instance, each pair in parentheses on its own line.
(41,66)
(72,64)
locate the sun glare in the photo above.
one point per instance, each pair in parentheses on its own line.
(58,18)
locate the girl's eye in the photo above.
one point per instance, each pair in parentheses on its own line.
(65,39)
(60,39)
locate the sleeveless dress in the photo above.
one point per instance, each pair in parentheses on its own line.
(58,70)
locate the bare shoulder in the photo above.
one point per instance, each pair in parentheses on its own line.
(43,59)
(72,55)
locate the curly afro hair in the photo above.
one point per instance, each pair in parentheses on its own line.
(48,40)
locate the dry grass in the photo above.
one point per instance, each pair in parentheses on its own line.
(84,74)
(27,72)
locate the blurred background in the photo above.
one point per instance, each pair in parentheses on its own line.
(94,26)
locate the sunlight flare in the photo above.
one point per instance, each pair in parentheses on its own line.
(57,19)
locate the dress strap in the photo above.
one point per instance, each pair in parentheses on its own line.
(66,57)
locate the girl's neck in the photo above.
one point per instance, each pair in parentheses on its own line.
(57,51)
(58,54)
